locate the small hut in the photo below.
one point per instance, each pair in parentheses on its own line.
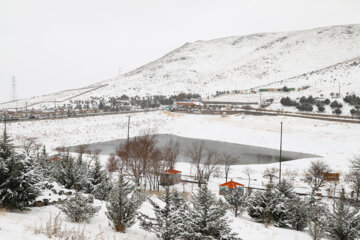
(227,187)
(170,177)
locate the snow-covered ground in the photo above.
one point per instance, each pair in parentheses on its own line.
(336,142)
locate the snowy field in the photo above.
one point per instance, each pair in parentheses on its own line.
(336,142)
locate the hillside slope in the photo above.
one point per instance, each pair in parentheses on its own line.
(243,62)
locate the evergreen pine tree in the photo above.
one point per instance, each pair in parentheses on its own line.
(237,201)
(18,181)
(284,193)
(96,176)
(79,208)
(71,173)
(123,205)
(317,222)
(344,222)
(102,191)
(208,217)
(262,205)
(298,214)
(166,223)
(43,164)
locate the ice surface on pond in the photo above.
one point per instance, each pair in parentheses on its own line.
(247,154)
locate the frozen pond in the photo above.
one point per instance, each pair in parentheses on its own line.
(247,154)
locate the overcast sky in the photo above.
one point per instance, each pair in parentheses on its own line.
(52,45)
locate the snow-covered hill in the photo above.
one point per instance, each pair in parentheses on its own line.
(243,62)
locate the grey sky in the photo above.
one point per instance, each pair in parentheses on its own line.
(52,45)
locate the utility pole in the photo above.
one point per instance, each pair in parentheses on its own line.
(4,119)
(260,98)
(128,135)
(281,124)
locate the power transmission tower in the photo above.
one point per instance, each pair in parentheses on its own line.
(13,89)
(281,130)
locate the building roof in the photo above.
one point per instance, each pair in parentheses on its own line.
(231,184)
(172,171)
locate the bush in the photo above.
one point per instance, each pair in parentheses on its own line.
(288,102)
(337,111)
(79,208)
(327,101)
(309,100)
(285,89)
(305,107)
(320,108)
(355,111)
(352,99)
(336,104)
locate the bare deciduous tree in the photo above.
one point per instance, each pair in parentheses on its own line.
(93,155)
(81,150)
(139,156)
(211,162)
(353,177)
(196,153)
(248,171)
(315,175)
(271,174)
(29,145)
(113,163)
(170,153)
(228,160)
(289,175)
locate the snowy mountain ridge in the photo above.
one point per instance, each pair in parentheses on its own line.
(243,62)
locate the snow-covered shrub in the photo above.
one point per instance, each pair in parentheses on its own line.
(123,205)
(343,221)
(317,222)
(43,164)
(18,180)
(272,206)
(79,208)
(102,191)
(298,215)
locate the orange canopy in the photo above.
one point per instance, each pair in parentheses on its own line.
(172,171)
(231,184)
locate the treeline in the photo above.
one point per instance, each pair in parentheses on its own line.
(307,104)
